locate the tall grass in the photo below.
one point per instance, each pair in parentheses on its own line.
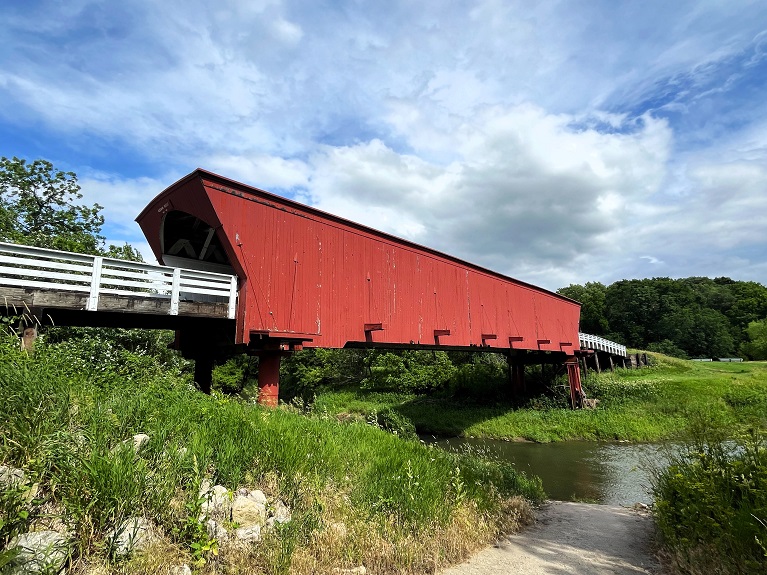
(398,505)
(711,502)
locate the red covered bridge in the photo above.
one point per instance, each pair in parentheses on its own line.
(311,279)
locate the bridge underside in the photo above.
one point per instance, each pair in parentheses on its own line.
(204,327)
(125,308)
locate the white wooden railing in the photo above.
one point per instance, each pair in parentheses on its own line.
(595,342)
(31,267)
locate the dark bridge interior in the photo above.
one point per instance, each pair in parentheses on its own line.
(189,242)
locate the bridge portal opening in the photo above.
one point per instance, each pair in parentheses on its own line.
(189,242)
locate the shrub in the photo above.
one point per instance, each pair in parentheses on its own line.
(304,372)
(711,506)
(413,371)
(235,374)
(484,376)
(396,423)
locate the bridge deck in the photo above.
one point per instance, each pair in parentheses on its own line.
(36,278)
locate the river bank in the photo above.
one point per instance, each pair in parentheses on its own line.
(637,405)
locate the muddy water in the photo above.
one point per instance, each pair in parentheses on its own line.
(609,473)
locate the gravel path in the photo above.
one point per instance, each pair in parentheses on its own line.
(572,538)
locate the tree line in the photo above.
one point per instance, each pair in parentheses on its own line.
(694,317)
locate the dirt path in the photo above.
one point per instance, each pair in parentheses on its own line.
(572,538)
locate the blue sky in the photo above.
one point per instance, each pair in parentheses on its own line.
(557,142)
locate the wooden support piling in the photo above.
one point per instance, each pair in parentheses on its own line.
(203,372)
(28,337)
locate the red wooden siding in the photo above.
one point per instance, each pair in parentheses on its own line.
(317,277)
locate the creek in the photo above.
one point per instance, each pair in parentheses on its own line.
(608,473)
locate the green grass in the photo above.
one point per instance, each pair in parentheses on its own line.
(711,503)
(404,504)
(636,405)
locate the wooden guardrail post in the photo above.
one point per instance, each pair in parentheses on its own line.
(175,294)
(232,298)
(93,296)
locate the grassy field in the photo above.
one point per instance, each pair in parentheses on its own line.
(358,495)
(635,405)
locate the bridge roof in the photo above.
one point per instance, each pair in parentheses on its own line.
(259,195)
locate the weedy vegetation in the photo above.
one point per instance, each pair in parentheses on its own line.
(711,501)
(359,495)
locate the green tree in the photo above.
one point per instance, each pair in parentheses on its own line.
(592,298)
(756,347)
(632,307)
(123,252)
(38,207)
(700,332)
(696,316)
(750,303)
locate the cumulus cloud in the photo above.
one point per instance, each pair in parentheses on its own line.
(525,190)
(554,143)
(122,200)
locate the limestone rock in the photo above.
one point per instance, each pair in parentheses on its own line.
(216,530)
(252,533)
(247,511)
(590,403)
(133,534)
(218,503)
(280,512)
(258,496)
(181,570)
(220,491)
(140,440)
(11,477)
(39,552)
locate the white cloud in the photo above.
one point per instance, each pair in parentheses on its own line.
(524,192)
(262,171)
(123,199)
(527,138)
(651,260)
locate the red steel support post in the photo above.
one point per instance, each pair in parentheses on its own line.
(574,377)
(269,378)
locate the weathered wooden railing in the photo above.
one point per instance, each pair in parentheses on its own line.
(40,268)
(597,343)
